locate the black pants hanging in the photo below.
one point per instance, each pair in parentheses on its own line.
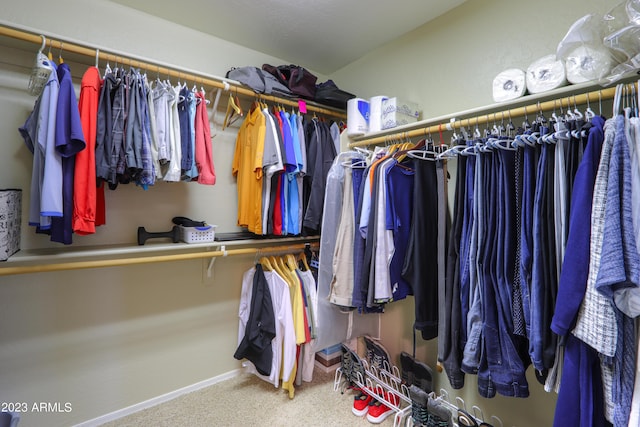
(452,357)
(421,267)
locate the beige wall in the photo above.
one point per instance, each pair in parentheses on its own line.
(448,66)
(104,339)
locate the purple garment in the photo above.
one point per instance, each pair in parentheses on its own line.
(575,268)
(69,142)
(580,398)
(399,208)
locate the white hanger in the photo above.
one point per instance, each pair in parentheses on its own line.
(40,72)
(617,100)
(451,151)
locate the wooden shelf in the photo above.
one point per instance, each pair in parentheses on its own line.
(528,105)
(75,258)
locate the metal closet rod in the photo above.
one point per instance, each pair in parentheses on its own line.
(164,70)
(532,109)
(79,265)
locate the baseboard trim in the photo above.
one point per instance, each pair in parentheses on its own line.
(158,400)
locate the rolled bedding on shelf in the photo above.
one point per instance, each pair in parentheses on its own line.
(509,84)
(588,63)
(545,74)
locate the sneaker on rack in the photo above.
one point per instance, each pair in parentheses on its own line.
(361,403)
(346,363)
(423,376)
(407,373)
(439,415)
(419,412)
(378,411)
(377,355)
(351,365)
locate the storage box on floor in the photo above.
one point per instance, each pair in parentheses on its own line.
(10,221)
(329,359)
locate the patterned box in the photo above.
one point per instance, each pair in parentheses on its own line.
(10,221)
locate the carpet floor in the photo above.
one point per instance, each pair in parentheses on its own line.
(246,400)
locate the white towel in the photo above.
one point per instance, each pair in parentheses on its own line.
(509,84)
(544,74)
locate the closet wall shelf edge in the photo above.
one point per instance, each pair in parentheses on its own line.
(56,42)
(528,105)
(76,258)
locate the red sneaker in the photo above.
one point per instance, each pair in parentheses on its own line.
(378,411)
(361,403)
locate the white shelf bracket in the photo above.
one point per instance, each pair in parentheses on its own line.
(212,261)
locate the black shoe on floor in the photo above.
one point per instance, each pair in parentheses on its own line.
(407,373)
(423,376)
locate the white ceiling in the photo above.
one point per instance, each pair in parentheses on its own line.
(322,35)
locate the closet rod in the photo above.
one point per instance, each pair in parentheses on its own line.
(532,109)
(79,265)
(161,69)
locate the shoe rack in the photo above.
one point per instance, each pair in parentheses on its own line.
(383,383)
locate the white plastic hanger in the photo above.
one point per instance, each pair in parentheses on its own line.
(617,99)
(40,72)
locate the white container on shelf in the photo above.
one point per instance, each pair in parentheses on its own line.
(202,234)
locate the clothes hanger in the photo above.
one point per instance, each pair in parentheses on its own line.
(60,60)
(589,113)
(271,261)
(600,102)
(476,130)
(422,149)
(402,154)
(402,149)
(291,262)
(302,257)
(364,151)
(616,100)
(464,134)
(232,109)
(358,163)
(266,263)
(276,267)
(576,110)
(453,151)
(423,155)
(554,117)
(540,118)
(40,72)
(284,270)
(634,103)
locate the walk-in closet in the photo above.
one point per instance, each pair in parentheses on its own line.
(320,213)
